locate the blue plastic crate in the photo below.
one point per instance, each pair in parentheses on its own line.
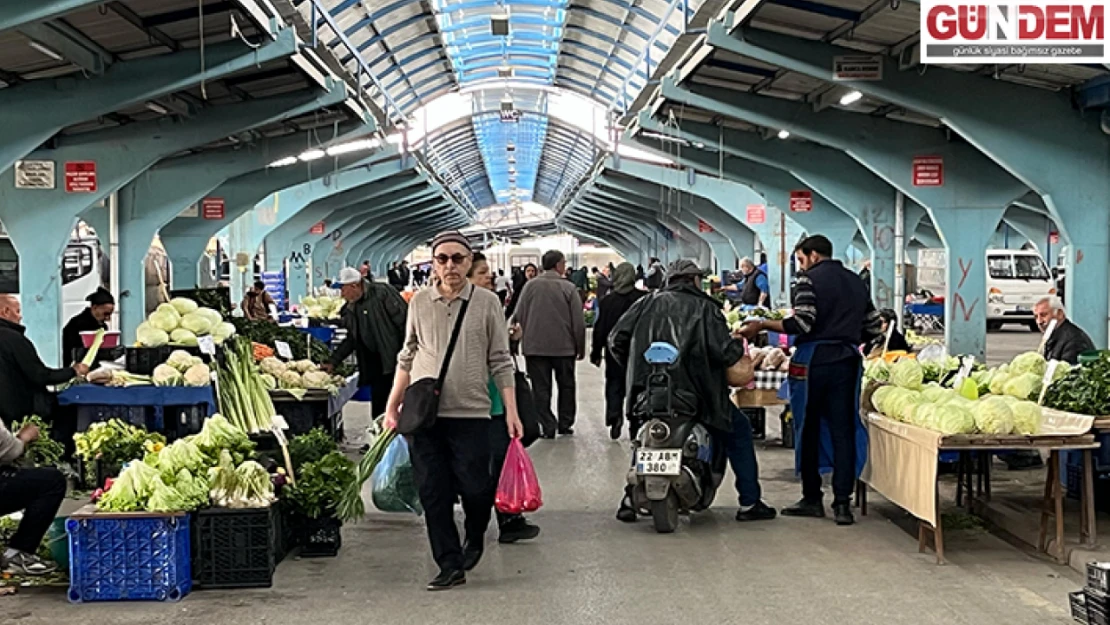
(129,557)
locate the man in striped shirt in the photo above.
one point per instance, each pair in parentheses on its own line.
(833,316)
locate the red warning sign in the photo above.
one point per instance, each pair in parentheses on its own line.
(80,177)
(757,214)
(212,208)
(317,228)
(801,201)
(928,171)
(1054,237)
(704,227)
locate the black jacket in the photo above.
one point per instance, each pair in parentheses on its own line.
(687,318)
(23,376)
(604,286)
(375,331)
(71,333)
(609,312)
(1067,342)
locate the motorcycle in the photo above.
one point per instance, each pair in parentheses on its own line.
(677,465)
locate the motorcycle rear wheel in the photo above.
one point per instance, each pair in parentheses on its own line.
(664,514)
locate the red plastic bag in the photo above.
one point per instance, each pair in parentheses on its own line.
(518,490)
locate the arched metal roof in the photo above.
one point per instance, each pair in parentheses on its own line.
(604,50)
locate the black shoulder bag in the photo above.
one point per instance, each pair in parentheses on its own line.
(421,403)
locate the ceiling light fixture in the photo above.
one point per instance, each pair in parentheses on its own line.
(499,24)
(284,162)
(851,97)
(154,107)
(353,146)
(784,134)
(48,51)
(311,155)
(504,72)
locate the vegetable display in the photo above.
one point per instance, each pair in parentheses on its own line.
(180,322)
(43,451)
(1083,390)
(113,442)
(321,485)
(310,447)
(243,396)
(322,306)
(266,332)
(300,374)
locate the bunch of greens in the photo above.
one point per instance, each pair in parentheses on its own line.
(43,451)
(310,447)
(244,398)
(351,506)
(245,486)
(1083,390)
(267,332)
(321,485)
(218,435)
(114,442)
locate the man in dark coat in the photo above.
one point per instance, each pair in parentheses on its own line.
(1067,340)
(610,309)
(374,316)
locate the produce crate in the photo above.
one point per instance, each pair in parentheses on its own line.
(285,539)
(1098,576)
(318,538)
(1098,610)
(143,360)
(128,557)
(139,416)
(1078,601)
(235,548)
(99,471)
(304,415)
(182,421)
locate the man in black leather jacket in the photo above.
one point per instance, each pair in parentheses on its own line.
(1067,340)
(682,315)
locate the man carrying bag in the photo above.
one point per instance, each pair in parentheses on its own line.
(455,341)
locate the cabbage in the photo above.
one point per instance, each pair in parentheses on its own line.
(1029,362)
(877,369)
(993,416)
(164,321)
(1027,418)
(907,373)
(181,336)
(166,375)
(1061,370)
(921,415)
(169,310)
(198,375)
(149,336)
(998,381)
(901,403)
(934,393)
(1023,386)
(213,316)
(269,381)
(953,419)
(183,305)
(880,397)
(223,330)
(196,323)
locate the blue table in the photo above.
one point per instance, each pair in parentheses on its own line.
(153,398)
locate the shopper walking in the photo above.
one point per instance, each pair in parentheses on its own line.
(520,278)
(610,310)
(451,456)
(552,326)
(605,280)
(833,316)
(375,320)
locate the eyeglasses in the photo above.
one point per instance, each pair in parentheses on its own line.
(457,259)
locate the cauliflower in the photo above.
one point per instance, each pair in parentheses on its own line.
(316,379)
(198,375)
(166,375)
(291,379)
(302,366)
(273,366)
(181,360)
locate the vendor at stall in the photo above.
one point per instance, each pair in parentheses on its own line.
(37,492)
(833,316)
(897,341)
(258,303)
(754,289)
(95,317)
(1067,340)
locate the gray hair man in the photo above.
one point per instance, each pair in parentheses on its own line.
(1067,340)
(754,290)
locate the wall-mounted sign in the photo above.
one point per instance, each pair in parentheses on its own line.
(34,174)
(858,67)
(317,228)
(213,208)
(80,177)
(801,201)
(1054,237)
(928,171)
(704,227)
(757,214)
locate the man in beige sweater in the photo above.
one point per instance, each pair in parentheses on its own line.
(453,456)
(552,325)
(38,492)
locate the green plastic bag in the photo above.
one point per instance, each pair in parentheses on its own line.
(393,483)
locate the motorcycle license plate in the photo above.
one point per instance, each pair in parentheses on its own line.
(658,461)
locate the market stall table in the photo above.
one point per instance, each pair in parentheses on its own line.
(902,466)
(142,405)
(315,408)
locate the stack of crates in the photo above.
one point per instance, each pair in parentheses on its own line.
(1092,604)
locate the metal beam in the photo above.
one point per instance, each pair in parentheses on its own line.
(19,13)
(71,44)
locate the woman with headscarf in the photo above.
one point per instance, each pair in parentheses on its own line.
(95,317)
(610,310)
(520,278)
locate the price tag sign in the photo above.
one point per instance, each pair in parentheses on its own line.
(1047,333)
(965,370)
(283,350)
(206,345)
(280,422)
(1049,373)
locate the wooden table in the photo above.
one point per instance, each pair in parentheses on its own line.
(984,447)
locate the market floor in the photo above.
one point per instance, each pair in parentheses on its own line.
(588,568)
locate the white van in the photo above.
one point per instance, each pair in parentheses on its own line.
(82,272)
(1016,281)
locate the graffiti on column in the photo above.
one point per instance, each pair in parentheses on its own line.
(297,258)
(958,301)
(883,293)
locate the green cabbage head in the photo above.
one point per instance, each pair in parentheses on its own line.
(1027,418)
(907,373)
(953,419)
(993,416)
(1029,362)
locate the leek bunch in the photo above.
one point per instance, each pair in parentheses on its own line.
(244,400)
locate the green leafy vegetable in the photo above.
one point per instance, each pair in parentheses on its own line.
(321,485)
(310,447)
(43,451)
(1083,390)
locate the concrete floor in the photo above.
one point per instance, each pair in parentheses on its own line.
(588,568)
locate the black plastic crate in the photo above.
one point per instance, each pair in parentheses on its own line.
(235,548)
(92,474)
(1098,613)
(182,421)
(758,419)
(139,416)
(284,538)
(304,416)
(1098,576)
(1078,601)
(143,360)
(318,538)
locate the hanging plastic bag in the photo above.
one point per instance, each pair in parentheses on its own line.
(518,490)
(393,483)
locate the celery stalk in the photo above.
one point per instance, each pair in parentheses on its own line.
(90,356)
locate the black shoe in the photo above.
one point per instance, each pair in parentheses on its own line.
(759,512)
(548,435)
(843,513)
(627,511)
(472,555)
(566,431)
(806,508)
(517,529)
(446,580)
(615,431)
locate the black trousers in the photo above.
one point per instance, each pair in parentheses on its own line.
(614,398)
(38,493)
(449,460)
(832,399)
(380,386)
(541,369)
